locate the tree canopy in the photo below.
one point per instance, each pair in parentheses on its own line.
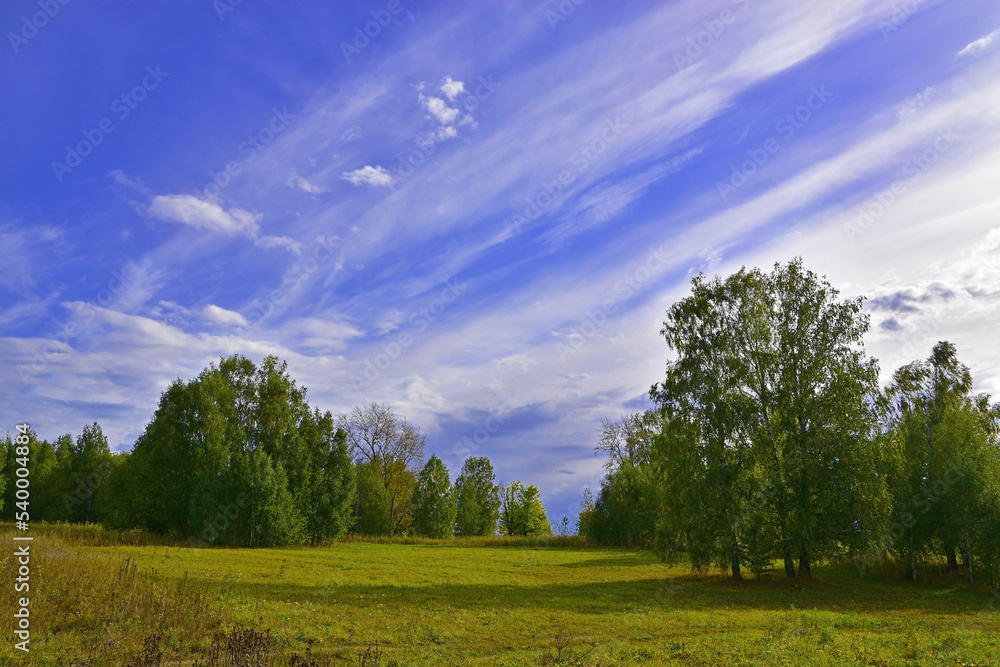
(238,457)
(477,498)
(433,501)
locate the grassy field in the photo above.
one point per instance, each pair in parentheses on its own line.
(455,603)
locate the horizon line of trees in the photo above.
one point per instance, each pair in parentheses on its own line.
(238,457)
(771,441)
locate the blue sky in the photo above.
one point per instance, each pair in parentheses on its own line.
(476,213)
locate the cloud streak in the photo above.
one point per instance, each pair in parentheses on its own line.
(208,216)
(454,150)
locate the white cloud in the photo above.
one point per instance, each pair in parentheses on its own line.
(390,321)
(519,363)
(607,201)
(452,88)
(980,44)
(524,145)
(114,369)
(268,242)
(444,113)
(376,176)
(15,246)
(203,215)
(419,395)
(124,180)
(441,134)
(219,315)
(296,181)
(912,105)
(210,216)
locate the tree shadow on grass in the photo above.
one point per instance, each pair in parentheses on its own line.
(624,560)
(669,593)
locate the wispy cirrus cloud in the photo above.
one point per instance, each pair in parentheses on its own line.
(214,313)
(209,216)
(296,181)
(980,44)
(417,160)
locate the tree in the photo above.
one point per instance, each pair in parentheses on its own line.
(946,472)
(112,501)
(270,516)
(373,509)
(521,511)
(9,451)
(91,464)
(771,427)
(376,435)
(630,439)
(44,484)
(986,525)
(57,495)
(237,456)
(477,498)
(585,520)
(625,512)
(433,501)
(328,506)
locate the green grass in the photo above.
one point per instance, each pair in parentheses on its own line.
(455,603)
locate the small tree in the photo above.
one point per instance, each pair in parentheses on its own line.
(271,517)
(585,520)
(373,513)
(946,472)
(625,511)
(433,501)
(478,498)
(376,435)
(329,499)
(92,463)
(521,511)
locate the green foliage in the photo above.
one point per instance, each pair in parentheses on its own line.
(238,457)
(626,509)
(269,516)
(329,504)
(112,500)
(769,441)
(8,471)
(521,511)
(477,498)
(945,469)
(374,515)
(50,474)
(67,482)
(7,467)
(91,464)
(585,520)
(7,446)
(433,501)
(376,435)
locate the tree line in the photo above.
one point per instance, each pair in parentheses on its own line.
(772,442)
(238,457)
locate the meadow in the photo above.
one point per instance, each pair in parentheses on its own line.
(101,598)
